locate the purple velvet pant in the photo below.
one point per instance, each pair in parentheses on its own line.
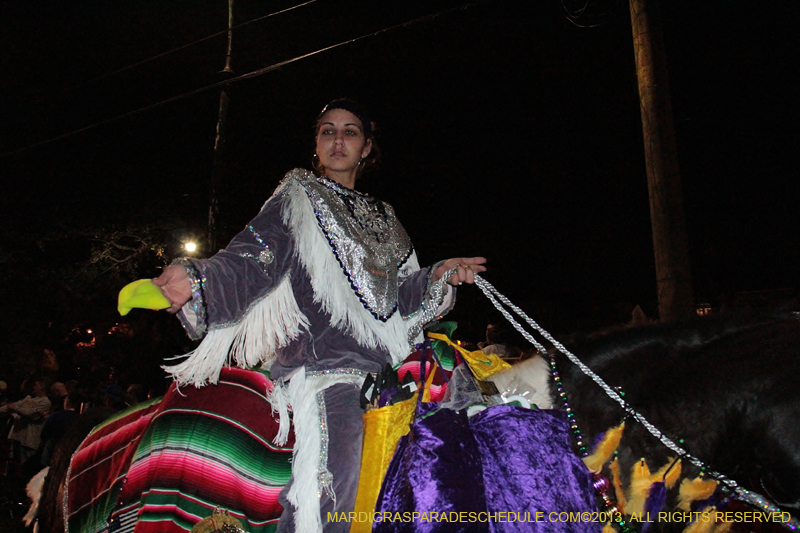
(345,430)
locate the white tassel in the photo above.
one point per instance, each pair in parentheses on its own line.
(205,362)
(279,401)
(332,289)
(280,321)
(304,492)
(272,323)
(34,491)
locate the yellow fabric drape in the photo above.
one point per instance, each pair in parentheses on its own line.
(383,428)
(481,363)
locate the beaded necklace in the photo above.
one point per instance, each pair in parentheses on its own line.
(600,482)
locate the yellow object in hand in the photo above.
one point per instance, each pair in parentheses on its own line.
(142,293)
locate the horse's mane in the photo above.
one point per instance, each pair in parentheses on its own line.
(600,347)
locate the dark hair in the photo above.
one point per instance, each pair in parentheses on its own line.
(497,333)
(355,108)
(368,126)
(42,380)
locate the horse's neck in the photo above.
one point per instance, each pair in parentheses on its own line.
(531,378)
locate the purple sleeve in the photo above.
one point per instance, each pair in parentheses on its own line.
(415,292)
(412,290)
(227,285)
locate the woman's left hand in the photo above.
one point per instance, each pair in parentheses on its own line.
(466,268)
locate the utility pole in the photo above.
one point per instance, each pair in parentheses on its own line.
(670,241)
(218,165)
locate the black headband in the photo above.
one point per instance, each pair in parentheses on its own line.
(354,108)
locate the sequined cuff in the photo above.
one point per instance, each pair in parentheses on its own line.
(193,315)
(448,299)
(265,257)
(431,308)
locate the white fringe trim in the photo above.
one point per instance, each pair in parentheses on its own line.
(34,491)
(272,323)
(279,400)
(331,287)
(304,494)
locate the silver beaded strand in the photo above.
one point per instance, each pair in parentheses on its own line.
(740,493)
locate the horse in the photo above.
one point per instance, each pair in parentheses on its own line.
(723,388)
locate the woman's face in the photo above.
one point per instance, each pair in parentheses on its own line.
(340,143)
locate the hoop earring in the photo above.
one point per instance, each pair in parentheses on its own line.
(316,165)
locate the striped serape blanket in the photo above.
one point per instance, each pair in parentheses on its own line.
(441,375)
(164,467)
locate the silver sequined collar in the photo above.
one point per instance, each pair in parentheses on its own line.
(366,238)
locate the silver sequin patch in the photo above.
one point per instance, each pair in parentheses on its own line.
(367,240)
(265,257)
(336,372)
(430,304)
(196,281)
(324,476)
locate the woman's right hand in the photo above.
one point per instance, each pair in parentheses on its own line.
(175,286)
(465,269)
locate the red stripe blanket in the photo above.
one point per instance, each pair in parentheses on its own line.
(165,466)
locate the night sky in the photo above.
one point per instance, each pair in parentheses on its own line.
(507,130)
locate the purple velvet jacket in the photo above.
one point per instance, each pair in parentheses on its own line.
(299,286)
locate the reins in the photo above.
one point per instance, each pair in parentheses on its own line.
(499,300)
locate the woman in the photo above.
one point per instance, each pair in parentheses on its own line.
(324,286)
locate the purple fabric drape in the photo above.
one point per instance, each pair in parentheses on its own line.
(512,468)
(529,467)
(507,469)
(436,469)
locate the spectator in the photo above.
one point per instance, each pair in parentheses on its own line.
(28,414)
(56,425)
(495,340)
(500,341)
(111,397)
(134,395)
(57,393)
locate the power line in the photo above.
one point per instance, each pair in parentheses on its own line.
(577,15)
(241,77)
(178,49)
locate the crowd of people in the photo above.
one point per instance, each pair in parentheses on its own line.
(36,413)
